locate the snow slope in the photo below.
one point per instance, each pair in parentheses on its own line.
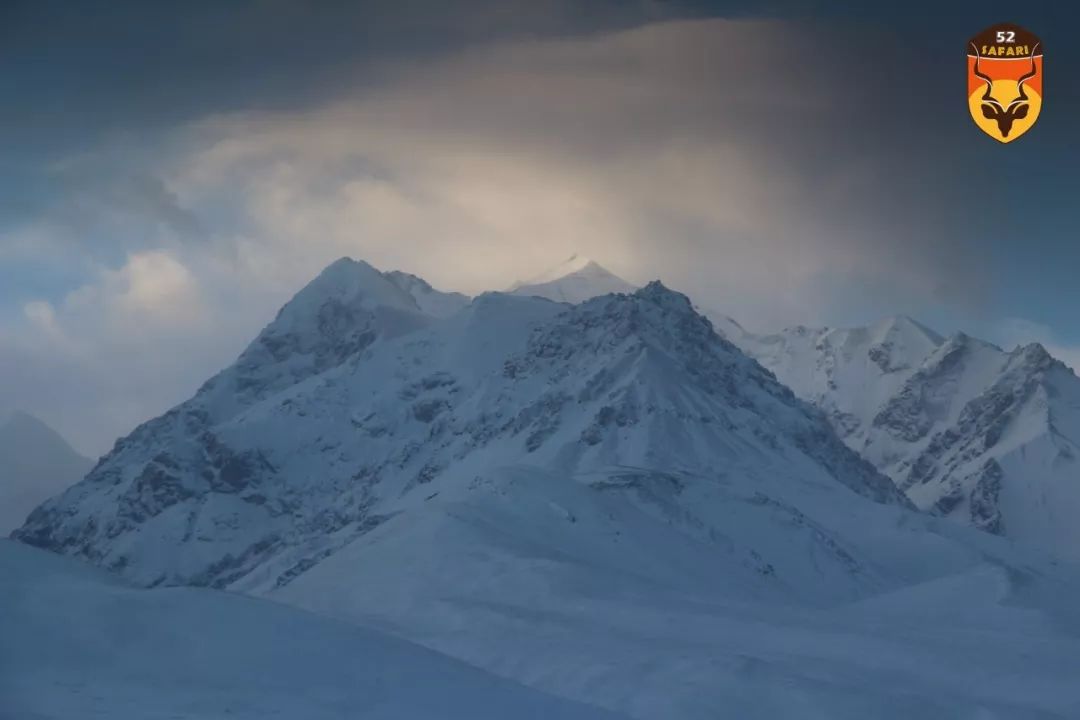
(969,431)
(35,464)
(575,280)
(849,373)
(669,599)
(77,643)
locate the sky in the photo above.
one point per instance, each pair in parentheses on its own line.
(171,173)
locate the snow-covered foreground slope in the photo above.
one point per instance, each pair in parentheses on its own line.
(573,281)
(969,431)
(35,464)
(78,644)
(668,599)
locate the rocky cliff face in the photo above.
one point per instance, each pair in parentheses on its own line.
(967,430)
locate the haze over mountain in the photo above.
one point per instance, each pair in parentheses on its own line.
(605,501)
(35,464)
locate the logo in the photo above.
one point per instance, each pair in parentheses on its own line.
(1005,80)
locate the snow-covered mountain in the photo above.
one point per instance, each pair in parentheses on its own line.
(605,501)
(575,280)
(351,404)
(966,429)
(78,643)
(35,464)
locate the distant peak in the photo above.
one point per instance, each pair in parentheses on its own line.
(22,428)
(20,418)
(576,264)
(574,280)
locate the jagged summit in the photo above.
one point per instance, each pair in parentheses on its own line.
(1036,355)
(659,293)
(573,281)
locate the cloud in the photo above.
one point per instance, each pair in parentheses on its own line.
(130,343)
(722,156)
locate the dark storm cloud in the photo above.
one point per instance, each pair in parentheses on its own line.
(72,68)
(717,150)
(74,75)
(207,158)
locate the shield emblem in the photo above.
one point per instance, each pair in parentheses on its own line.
(1005,80)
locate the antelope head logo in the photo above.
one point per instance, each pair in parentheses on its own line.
(997,110)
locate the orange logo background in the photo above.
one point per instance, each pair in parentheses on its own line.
(1005,81)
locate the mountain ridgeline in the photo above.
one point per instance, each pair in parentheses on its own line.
(354,402)
(983,436)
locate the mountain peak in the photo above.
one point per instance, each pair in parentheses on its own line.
(349,279)
(36,462)
(659,294)
(343,310)
(571,265)
(1035,357)
(573,281)
(24,426)
(19,418)
(347,282)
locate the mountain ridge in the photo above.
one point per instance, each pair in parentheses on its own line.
(636,380)
(950,419)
